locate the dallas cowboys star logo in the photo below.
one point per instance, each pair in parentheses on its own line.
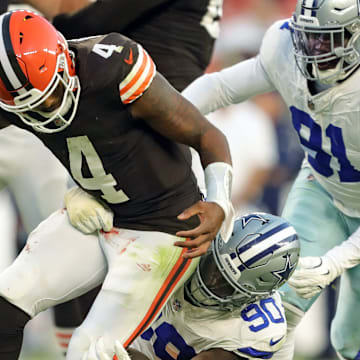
(284,273)
(247,218)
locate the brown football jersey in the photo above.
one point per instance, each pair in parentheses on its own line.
(145,178)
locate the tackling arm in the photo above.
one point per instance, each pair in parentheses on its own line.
(228,86)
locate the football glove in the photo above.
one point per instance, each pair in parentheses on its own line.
(86,213)
(97,351)
(314,273)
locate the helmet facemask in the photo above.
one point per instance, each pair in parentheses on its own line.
(325,53)
(27,106)
(208,287)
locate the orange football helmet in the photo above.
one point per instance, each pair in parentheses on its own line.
(34,62)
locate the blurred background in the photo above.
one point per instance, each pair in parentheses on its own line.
(267,166)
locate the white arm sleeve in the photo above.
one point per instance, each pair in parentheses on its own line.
(347,254)
(228,86)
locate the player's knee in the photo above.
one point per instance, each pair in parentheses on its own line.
(20,285)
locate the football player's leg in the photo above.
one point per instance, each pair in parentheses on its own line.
(57,264)
(39,185)
(70,315)
(320,227)
(345,328)
(144,270)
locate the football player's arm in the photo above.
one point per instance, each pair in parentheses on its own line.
(54,7)
(170,114)
(216,354)
(314,273)
(231,85)
(104,16)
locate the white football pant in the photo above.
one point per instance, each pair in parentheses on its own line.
(139,271)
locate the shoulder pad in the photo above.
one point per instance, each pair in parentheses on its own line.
(275,44)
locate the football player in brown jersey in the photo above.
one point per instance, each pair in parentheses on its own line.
(122,132)
(181,54)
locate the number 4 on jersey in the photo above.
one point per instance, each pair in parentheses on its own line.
(80,147)
(105,50)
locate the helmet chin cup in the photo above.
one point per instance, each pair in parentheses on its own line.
(327,77)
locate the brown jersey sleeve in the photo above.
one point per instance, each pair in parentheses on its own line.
(139,76)
(99,17)
(116,64)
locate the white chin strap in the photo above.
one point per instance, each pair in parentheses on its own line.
(330,76)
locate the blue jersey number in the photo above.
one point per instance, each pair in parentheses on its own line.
(169,344)
(261,316)
(319,159)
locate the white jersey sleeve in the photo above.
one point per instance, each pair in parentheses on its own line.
(229,86)
(183,330)
(276,53)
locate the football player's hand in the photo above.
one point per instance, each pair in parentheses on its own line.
(211,217)
(97,351)
(313,274)
(86,213)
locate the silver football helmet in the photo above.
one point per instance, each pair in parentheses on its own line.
(325,35)
(260,256)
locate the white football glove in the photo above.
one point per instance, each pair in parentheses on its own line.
(97,351)
(313,274)
(86,213)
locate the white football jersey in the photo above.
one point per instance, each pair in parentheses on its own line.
(183,330)
(327,123)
